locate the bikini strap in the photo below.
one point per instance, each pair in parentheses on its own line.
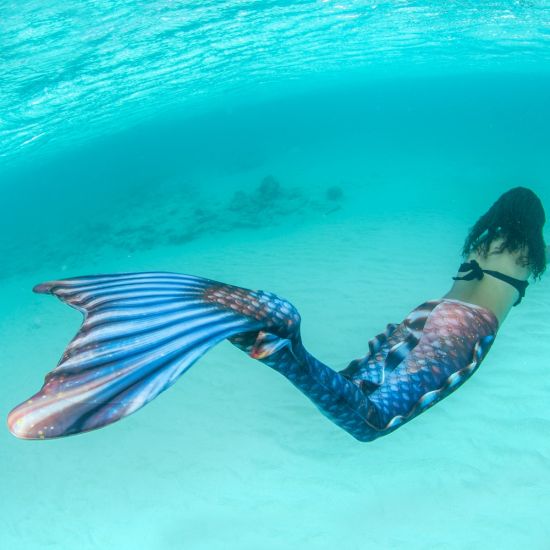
(518,284)
(476,272)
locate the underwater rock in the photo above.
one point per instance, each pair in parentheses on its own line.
(201,214)
(269,188)
(248,209)
(182,238)
(204,220)
(176,216)
(239,201)
(334,193)
(267,205)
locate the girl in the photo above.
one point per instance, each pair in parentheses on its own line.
(141,331)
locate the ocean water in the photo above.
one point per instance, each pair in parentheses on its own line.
(139,137)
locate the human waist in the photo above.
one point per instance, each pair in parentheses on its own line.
(497,299)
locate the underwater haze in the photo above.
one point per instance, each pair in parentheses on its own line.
(333,152)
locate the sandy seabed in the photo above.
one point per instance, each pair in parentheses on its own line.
(233,456)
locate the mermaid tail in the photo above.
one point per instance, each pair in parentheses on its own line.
(141,331)
(409,368)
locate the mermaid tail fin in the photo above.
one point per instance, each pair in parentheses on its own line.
(141,331)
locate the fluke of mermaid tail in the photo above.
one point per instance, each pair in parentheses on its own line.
(141,331)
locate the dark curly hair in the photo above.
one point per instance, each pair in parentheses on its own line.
(518,217)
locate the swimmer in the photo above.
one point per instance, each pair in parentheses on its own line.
(142,331)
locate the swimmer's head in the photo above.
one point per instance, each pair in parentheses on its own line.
(518,218)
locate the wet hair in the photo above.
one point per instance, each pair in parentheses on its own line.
(517,217)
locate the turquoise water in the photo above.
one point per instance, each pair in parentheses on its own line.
(137,137)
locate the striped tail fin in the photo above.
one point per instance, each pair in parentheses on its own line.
(141,331)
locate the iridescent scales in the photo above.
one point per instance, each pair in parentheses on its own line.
(278,315)
(142,331)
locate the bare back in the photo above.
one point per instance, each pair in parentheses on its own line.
(490,292)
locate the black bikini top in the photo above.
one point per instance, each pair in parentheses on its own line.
(477,273)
